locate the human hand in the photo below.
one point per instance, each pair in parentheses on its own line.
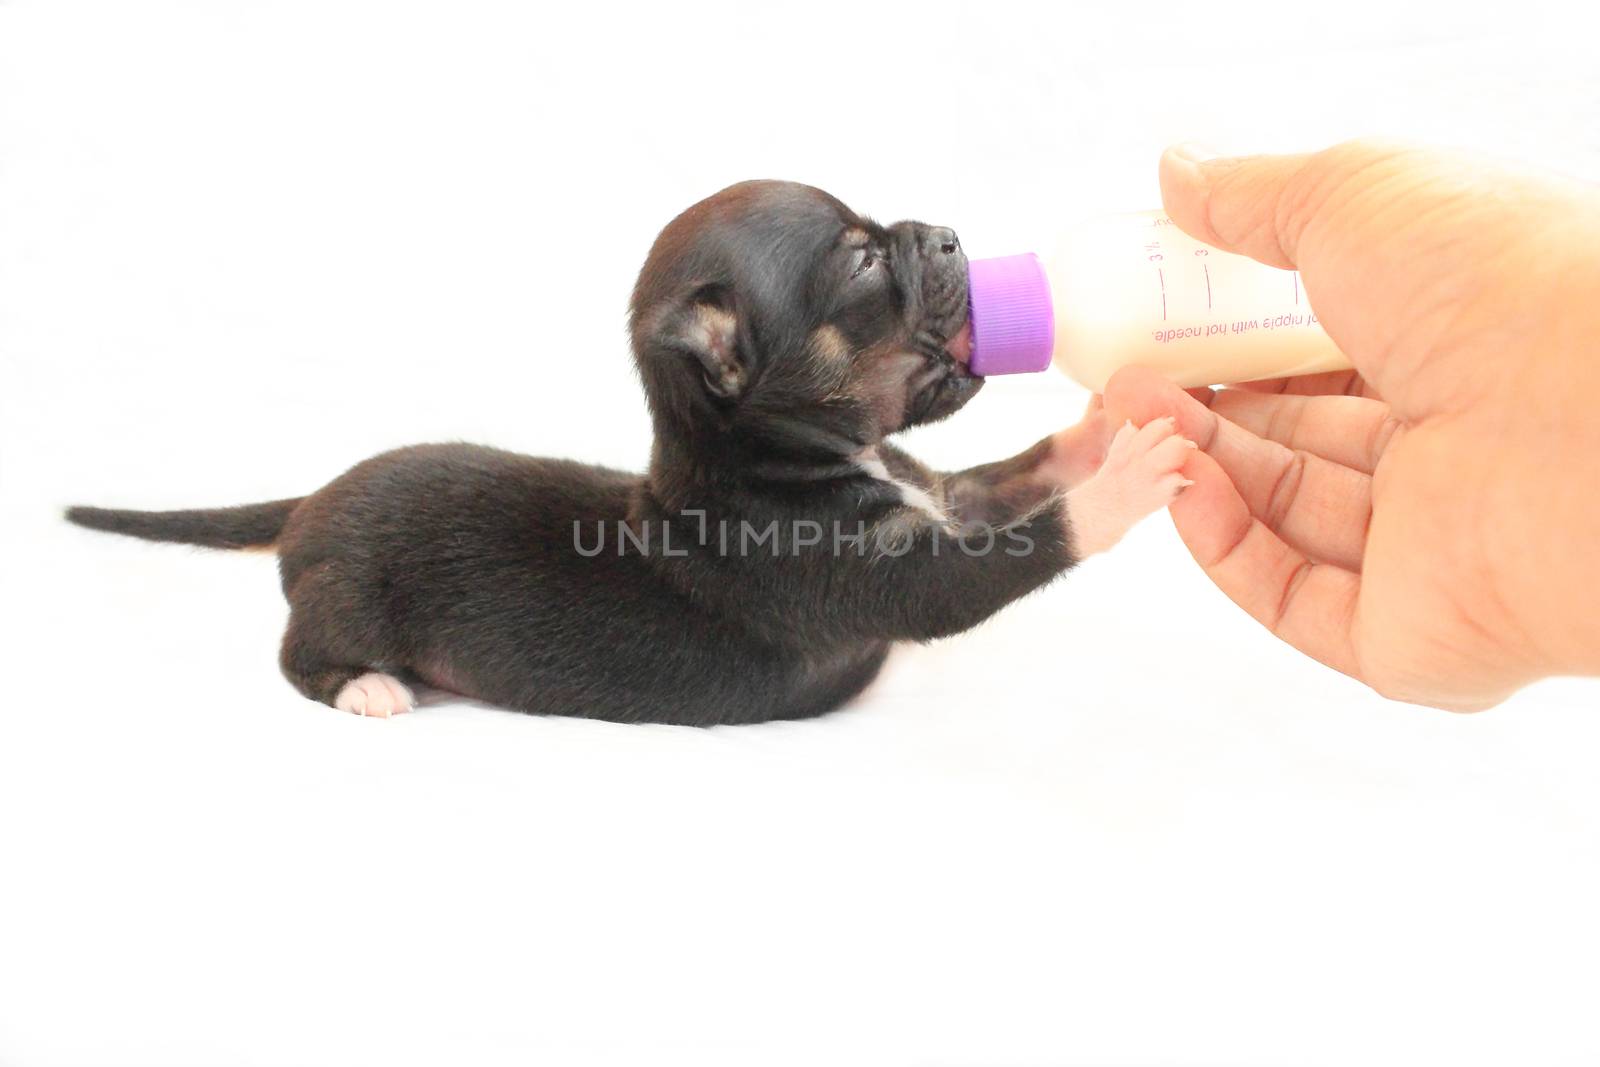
(1429,523)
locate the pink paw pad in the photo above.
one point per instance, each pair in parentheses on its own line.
(1141,474)
(375,694)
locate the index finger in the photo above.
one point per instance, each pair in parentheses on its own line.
(1310,606)
(1350,431)
(1328,383)
(1319,506)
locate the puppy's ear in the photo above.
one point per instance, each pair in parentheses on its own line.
(706,326)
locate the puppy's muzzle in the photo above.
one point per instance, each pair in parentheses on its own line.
(948,383)
(944,290)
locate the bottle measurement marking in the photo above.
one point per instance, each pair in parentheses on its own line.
(1245,330)
(1153,254)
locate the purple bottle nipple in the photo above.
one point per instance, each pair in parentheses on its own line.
(1013,318)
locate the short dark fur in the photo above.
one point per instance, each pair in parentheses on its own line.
(780,337)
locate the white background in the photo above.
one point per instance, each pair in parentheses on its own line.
(243,246)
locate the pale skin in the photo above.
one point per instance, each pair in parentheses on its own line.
(1430,522)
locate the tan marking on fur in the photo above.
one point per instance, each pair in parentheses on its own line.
(829,344)
(885,388)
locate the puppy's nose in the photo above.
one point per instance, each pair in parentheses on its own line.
(945,239)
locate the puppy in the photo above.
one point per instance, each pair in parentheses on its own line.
(777,544)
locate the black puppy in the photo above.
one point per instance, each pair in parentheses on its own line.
(777,544)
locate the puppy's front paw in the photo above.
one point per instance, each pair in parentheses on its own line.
(1141,473)
(1079,450)
(375,694)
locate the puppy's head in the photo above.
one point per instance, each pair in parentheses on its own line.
(772,318)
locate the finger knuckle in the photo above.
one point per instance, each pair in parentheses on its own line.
(1281,499)
(1291,586)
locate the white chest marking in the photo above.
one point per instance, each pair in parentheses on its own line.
(911,496)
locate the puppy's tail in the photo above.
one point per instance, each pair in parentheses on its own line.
(245,526)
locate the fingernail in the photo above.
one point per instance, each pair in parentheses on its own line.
(1190,444)
(1187,482)
(1194,152)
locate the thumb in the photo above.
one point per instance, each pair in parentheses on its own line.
(1266,207)
(1396,246)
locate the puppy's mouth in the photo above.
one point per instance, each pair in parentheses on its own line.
(947,383)
(960,347)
